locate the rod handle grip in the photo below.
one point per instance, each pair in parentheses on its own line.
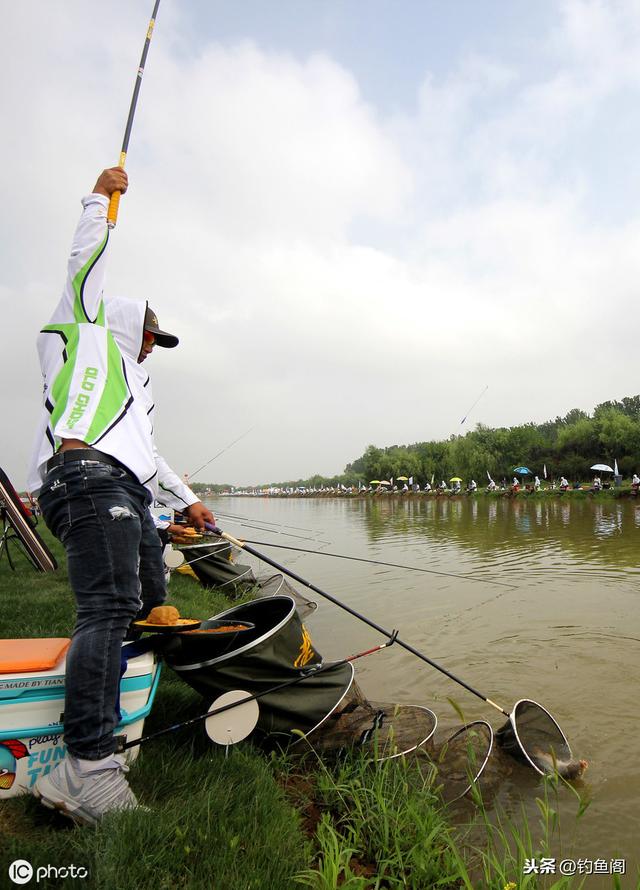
(112,212)
(225,535)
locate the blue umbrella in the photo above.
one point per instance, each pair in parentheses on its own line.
(522,471)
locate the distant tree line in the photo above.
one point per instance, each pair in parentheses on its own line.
(203,488)
(568,446)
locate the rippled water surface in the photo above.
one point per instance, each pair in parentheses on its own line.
(547,608)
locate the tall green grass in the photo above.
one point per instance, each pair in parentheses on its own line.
(498,858)
(382,825)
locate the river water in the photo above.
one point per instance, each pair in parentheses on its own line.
(566,632)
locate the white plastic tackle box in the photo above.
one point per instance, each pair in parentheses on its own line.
(32,705)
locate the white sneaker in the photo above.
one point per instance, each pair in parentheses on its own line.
(85,798)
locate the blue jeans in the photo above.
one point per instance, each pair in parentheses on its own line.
(100,514)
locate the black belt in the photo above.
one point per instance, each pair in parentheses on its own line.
(73,455)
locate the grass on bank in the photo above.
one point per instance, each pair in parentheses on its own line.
(251,820)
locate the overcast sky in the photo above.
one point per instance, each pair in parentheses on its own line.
(355,214)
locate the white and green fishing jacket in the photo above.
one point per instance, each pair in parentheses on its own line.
(94,388)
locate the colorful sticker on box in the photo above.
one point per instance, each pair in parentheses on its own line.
(11,751)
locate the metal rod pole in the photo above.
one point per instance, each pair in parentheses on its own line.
(312,672)
(114,203)
(244,546)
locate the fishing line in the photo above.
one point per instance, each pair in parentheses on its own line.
(191,475)
(377,562)
(233,580)
(213,545)
(243,545)
(473,406)
(272,531)
(300,528)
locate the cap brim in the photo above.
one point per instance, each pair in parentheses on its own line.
(162,338)
(168,341)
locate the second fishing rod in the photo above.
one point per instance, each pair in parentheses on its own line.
(243,545)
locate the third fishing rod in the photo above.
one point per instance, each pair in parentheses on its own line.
(216,456)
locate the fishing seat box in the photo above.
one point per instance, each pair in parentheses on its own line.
(32,684)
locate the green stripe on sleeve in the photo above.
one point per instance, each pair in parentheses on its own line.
(78,282)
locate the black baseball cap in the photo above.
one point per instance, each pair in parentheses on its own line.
(162,337)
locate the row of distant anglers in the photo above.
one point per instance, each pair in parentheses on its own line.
(523,479)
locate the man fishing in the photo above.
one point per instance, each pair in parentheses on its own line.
(96,468)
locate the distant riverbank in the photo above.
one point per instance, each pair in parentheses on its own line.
(585,491)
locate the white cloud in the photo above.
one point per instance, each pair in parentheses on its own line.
(337,278)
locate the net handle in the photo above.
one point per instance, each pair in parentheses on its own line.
(243,545)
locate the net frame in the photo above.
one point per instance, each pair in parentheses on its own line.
(509,737)
(413,746)
(465,728)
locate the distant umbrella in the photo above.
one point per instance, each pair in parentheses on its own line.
(385,482)
(522,471)
(402,478)
(603,468)
(455,479)
(375,482)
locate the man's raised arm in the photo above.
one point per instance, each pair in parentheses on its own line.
(82,299)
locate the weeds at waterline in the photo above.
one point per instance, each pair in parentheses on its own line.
(382,825)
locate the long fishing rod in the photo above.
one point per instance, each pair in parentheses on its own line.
(474,405)
(377,562)
(191,475)
(271,531)
(311,672)
(114,203)
(332,599)
(300,528)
